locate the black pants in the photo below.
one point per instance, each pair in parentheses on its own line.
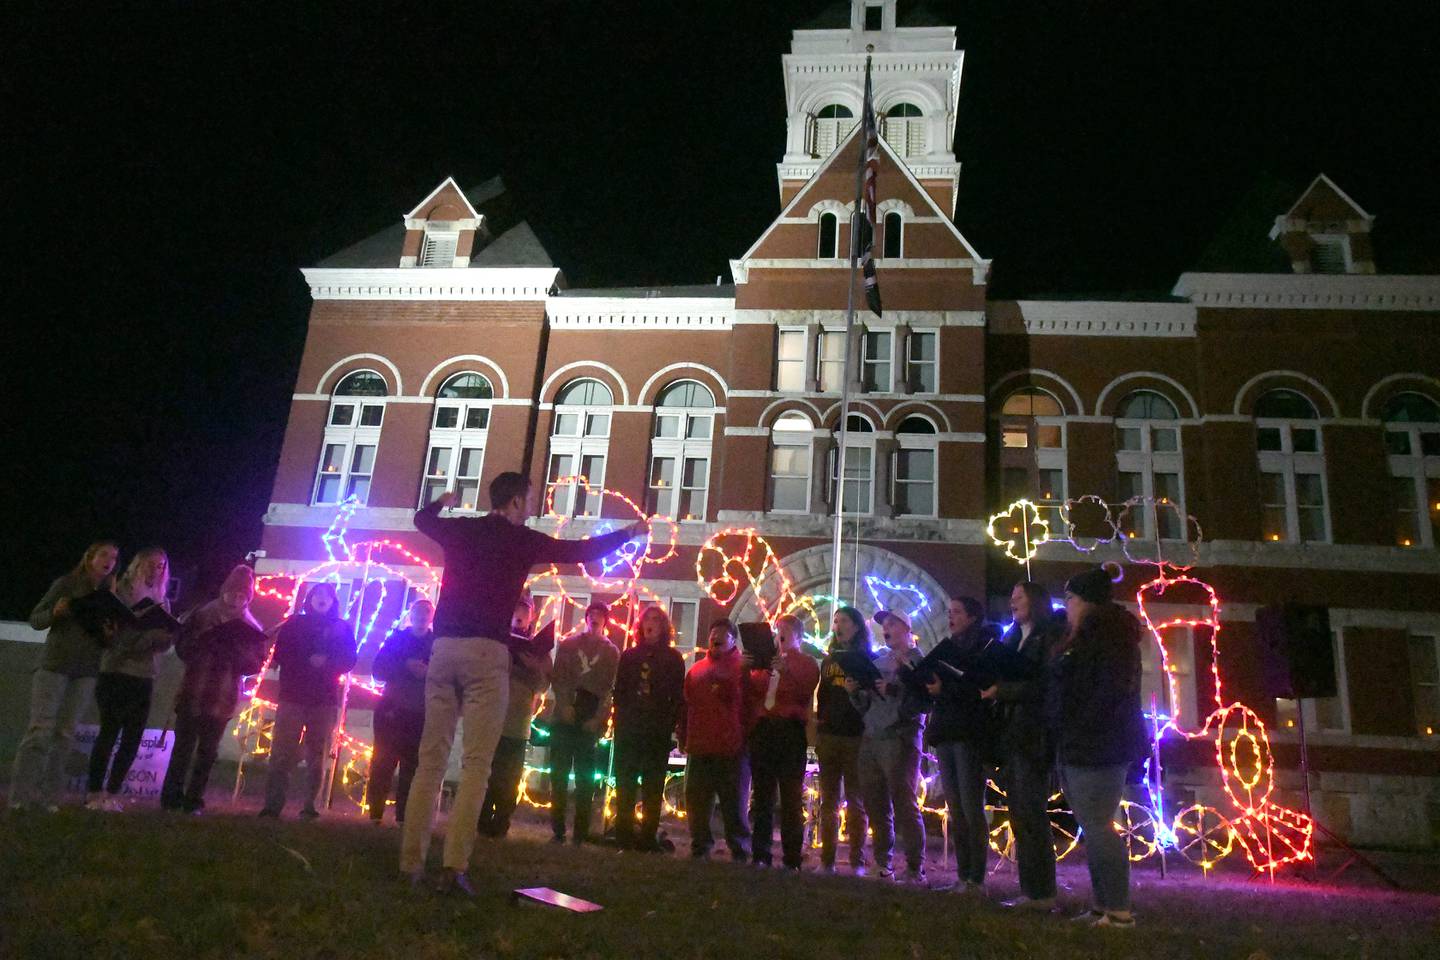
(397,741)
(192,757)
(1025,775)
(503,791)
(571,747)
(644,758)
(124,703)
(777,764)
(708,779)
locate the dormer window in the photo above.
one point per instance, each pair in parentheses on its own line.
(1329,253)
(438,247)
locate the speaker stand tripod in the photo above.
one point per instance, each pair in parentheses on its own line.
(1353,856)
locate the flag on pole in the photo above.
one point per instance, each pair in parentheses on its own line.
(870,167)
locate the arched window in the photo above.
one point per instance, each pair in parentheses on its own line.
(859,480)
(829,245)
(459,429)
(352,433)
(913,470)
(1412,439)
(680,451)
(833,123)
(579,444)
(1148,459)
(904,129)
(790,460)
(1032,450)
(894,235)
(1292,468)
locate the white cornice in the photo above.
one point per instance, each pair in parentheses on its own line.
(978,268)
(1311,291)
(918,319)
(1107,319)
(640,313)
(431,283)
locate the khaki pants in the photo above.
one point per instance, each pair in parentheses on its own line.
(469,679)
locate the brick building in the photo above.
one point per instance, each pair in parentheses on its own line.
(1288,398)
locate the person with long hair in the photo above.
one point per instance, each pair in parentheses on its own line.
(837,744)
(313,649)
(1093,706)
(218,652)
(649,698)
(63,682)
(127,680)
(401,665)
(1024,749)
(959,733)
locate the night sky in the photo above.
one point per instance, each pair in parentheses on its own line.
(172,166)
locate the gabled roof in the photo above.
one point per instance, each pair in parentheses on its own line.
(849,150)
(1322,182)
(516,247)
(448,184)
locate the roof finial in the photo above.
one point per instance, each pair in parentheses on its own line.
(869,48)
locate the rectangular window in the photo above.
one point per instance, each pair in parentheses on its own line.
(1310,506)
(873,18)
(1273,523)
(921,362)
(790,477)
(467,478)
(1425,684)
(329,484)
(915,483)
(1167,491)
(685,616)
(344,413)
(592,468)
(477,418)
(693,484)
(447,418)
(437,473)
(790,361)
(662,486)
(876,372)
(859,480)
(1407,512)
(362,467)
(372,414)
(1131,485)
(831,367)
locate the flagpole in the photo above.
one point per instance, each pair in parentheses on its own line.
(838,533)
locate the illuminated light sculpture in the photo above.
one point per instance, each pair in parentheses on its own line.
(1106,527)
(1020,529)
(1190,537)
(733,559)
(917,607)
(366,565)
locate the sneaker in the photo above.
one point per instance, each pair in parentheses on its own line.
(1119,921)
(1088,917)
(1031,904)
(99,804)
(885,873)
(860,870)
(454,882)
(309,813)
(915,878)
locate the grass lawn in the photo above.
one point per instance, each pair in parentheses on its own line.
(156,886)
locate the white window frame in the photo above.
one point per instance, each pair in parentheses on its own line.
(1433,681)
(682,448)
(1423,472)
(888,386)
(1181,641)
(1038,458)
(1285,708)
(1287,463)
(826,133)
(583,445)
(350,437)
(1147,461)
(927,442)
(907,136)
(802,438)
(912,365)
(438,247)
(457,440)
(822,363)
(856,443)
(803,336)
(684,615)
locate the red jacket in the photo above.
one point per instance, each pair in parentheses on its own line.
(794,695)
(715,706)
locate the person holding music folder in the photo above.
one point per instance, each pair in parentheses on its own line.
(583,680)
(486,561)
(1024,751)
(313,649)
(781,693)
(220,644)
(894,714)
(1093,708)
(401,665)
(127,677)
(837,742)
(649,700)
(960,731)
(713,733)
(64,679)
(529,676)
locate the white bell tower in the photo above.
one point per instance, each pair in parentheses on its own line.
(916,77)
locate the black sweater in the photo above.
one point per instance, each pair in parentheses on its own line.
(1021,703)
(649,691)
(959,715)
(1093,701)
(835,714)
